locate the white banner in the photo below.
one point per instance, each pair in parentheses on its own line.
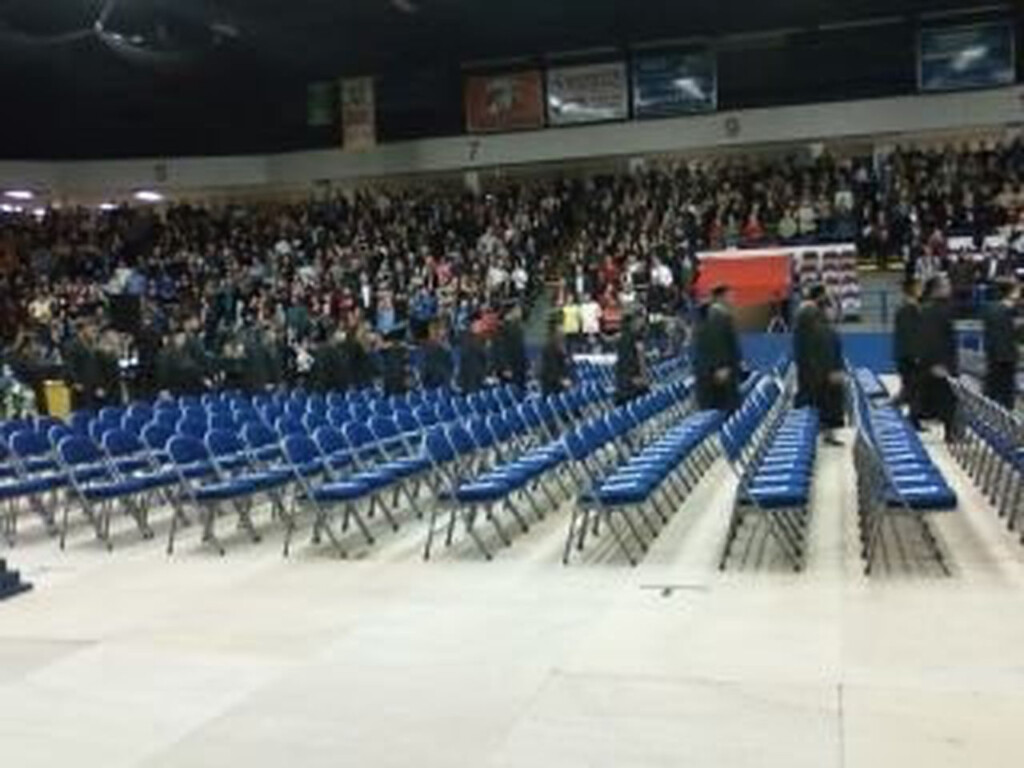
(358,113)
(587,94)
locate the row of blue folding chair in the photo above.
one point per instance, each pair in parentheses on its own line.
(649,467)
(772,449)
(900,479)
(497,463)
(991,451)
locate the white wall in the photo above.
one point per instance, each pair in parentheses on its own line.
(875,117)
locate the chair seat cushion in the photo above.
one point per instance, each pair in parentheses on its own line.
(31,485)
(222,491)
(777,496)
(490,489)
(925,497)
(103,491)
(345,490)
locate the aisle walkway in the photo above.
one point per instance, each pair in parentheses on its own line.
(131,660)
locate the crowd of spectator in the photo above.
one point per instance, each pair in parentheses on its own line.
(383,262)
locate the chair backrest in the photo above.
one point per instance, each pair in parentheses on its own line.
(258,435)
(184,449)
(79,422)
(576,445)
(157,436)
(121,442)
(439,447)
(481,433)
(384,428)
(426,415)
(501,427)
(461,439)
(223,421)
(221,442)
(359,436)
(75,450)
(30,443)
(406,421)
(289,425)
(57,433)
(300,449)
(330,440)
(193,428)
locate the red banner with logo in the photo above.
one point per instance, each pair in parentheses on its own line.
(755,279)
(513,101)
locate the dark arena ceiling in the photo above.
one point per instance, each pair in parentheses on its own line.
(102,78)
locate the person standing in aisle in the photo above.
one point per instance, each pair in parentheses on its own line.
(555,371)
(805,328)
(512,364)
(437,359)
(472,362)
(1002,353)
(819,360)
(394,361)
(631,378)
(717,356)
(939,361)
(906,349)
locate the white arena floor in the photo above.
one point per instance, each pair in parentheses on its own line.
(129,659)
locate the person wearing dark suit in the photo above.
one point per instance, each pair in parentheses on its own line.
(360,367)
(906,349)
(805,328)
(717,356)
(939,361)
(1002,353)
(818,354)
(472,362)
(631,379)
(512,364)
(84,368)
(555,368)
(437,360)
(394,362)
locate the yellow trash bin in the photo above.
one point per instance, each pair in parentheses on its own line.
(57,398)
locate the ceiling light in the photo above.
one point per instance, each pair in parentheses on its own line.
(39,213)
(19,194)
(108,206)
(148,196)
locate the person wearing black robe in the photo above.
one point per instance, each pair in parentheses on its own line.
(328,373)
(512,364)
(1002,354)
(360,367)
(147,348)
(394,359)
(831,399)
(437,360)
(819,363)
(84,368)
(472,362)
(717,356)
(177,371)
(555,369)
(906,348)
(939,362)
(630,365)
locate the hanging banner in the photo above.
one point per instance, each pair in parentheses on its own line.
(669,84)
(512,101)
(590,93)
(358,113)
(973,56)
